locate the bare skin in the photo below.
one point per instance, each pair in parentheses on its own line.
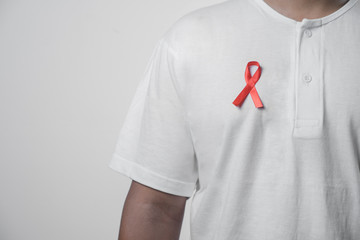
(299,9)
(150,214)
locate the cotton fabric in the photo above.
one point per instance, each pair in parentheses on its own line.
(287,171)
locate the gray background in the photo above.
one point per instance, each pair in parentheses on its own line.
(68,72)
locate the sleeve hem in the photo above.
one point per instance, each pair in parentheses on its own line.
(149,178)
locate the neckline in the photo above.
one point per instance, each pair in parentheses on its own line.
(306,22)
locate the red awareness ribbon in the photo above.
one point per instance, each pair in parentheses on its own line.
(250,86)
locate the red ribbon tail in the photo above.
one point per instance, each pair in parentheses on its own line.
(255,97)
(242,95)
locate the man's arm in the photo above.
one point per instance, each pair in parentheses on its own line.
(150,214)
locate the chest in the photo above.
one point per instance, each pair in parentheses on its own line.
(309,78)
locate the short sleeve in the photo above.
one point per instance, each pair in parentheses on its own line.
(155,144)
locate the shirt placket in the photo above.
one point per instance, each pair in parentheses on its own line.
(309,107)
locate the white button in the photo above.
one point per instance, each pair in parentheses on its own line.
(308,32)
(307,77)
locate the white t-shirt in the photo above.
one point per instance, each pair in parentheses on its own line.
(286,170)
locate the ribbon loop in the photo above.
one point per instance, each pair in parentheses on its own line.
(250,86)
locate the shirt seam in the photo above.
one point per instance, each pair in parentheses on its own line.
(151,171)
(174,79)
